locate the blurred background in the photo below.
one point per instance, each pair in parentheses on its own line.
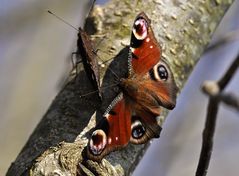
(35,49)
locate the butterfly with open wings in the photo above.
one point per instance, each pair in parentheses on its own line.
(132,115)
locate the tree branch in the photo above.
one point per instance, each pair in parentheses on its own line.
(230,99)
(214,89)
(183,28)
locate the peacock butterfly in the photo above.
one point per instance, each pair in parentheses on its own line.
(88,57)
(132,115)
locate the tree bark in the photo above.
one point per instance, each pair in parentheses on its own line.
(183,28)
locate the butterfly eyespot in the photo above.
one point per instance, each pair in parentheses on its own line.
(137,130)
(140,29)
(139,24)
(162,72)
(97,142)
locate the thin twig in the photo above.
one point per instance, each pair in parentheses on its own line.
(230,99)
(208,134)
(210,124)
(222,83)
(211,88)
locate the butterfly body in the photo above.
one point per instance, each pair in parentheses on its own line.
(132,116)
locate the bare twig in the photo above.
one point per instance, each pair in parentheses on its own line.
(214,89)
(230,99)
(208,134)
(222,83)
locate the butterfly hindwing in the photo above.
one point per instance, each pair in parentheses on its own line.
(113,132)
(143,128)
(157,89)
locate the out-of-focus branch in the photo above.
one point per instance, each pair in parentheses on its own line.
(208,134)
(183,29)
(214,90)
(227,38)
(222,83)
(230,99)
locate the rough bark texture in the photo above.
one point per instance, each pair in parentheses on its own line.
(184,29)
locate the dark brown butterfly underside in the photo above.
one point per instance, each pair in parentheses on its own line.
(88,57)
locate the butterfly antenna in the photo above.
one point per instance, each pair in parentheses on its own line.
(110,69)
(61,19)
(97,50)
(99,42)
(114,73)
(106,61)
(112,85)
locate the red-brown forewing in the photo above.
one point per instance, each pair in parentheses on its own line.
(145,49)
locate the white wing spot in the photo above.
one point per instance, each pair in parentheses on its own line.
(147,40)
(151,46)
